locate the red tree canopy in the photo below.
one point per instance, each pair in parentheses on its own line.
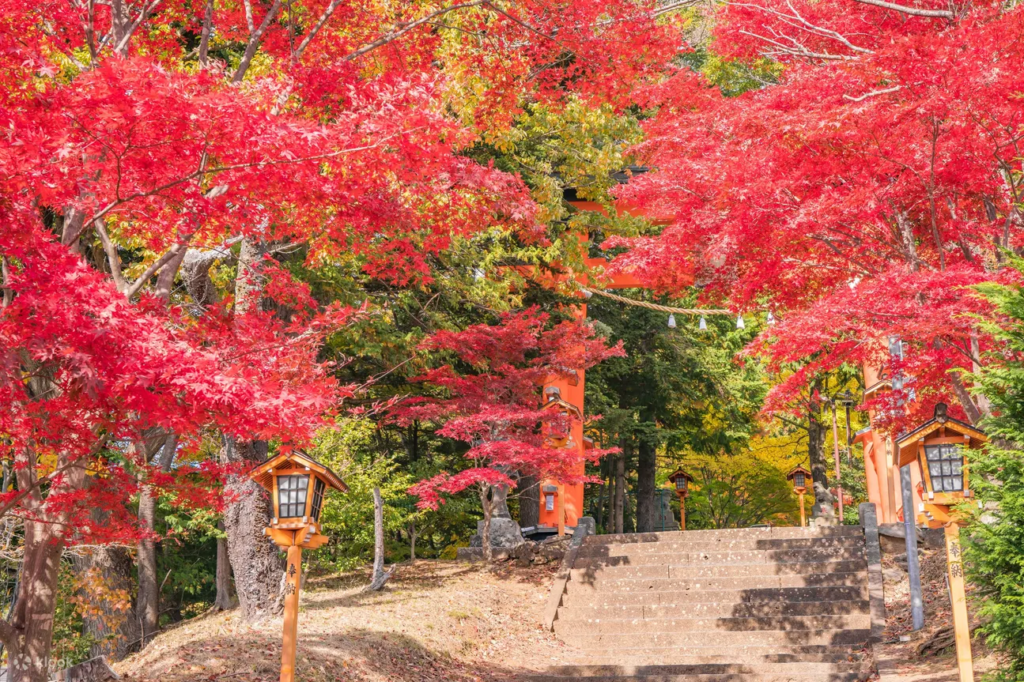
(490,398)
(860,195)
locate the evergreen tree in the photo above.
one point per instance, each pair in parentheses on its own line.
(995,542)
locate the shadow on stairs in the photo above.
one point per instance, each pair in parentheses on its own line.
(749,605)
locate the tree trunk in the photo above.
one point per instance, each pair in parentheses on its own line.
(380,576)
(646,469)
(148,603)
(255,561)
(115,633)
(529,501)
(223,601)
(602,491)
(32,621)
(620,486)
(412,541)
(816,455)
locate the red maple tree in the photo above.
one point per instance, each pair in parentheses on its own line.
(141,141)
(490,399)
(856,198)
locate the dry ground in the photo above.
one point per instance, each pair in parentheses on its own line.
(899,660)
(435,621)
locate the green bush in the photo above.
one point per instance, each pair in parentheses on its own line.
(994,542)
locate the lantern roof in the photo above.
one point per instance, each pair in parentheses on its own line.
(940,420)
(679,473)
(797,470)
(296,459)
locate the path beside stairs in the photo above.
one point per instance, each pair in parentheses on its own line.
(744,605)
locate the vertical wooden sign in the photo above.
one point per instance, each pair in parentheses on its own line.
(961,624)
(293,578)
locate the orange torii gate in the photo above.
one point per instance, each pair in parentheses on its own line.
(562,505)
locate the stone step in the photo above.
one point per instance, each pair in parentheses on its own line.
(672,567)
(802,667)
(624,643)
(717,677)
(701,609)
(756,655)
(725,534)
(682,584)
(571,629)
(591,598)
(594,547)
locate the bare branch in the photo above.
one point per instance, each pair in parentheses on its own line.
(254,42)
(328,11)
(873,93)
(913,11)
(204,41)
(122,45)
(112,257)
(402,29)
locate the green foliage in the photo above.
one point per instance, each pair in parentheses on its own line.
(855,485)
(738,491)
(994,543)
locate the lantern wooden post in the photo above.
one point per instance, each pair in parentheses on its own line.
(297,484)
(803,513)
(291,613)
(958,597)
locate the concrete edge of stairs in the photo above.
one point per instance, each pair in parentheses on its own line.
(584,527)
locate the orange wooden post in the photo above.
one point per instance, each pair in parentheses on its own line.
(291,613)
(803,514)
(682,512)
(961,623)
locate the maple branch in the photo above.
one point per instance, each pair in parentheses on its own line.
(239,166)
(913,11)
(403,28)
(254,42)
(112,257)
(204,41)
(873,93)
(248,16)
(328,11)
(8,296)
(154,266)
(796,20)
(122,45)
(797,51)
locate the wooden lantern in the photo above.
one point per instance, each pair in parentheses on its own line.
(297,483)
(941,447)
(800,477)
(681,480)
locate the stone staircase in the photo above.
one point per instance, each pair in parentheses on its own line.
(744,605)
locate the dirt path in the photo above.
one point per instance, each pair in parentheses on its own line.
(436,621)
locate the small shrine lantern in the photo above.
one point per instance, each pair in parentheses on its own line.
(681,480)
(800,477)
(297,483)
(941,448)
